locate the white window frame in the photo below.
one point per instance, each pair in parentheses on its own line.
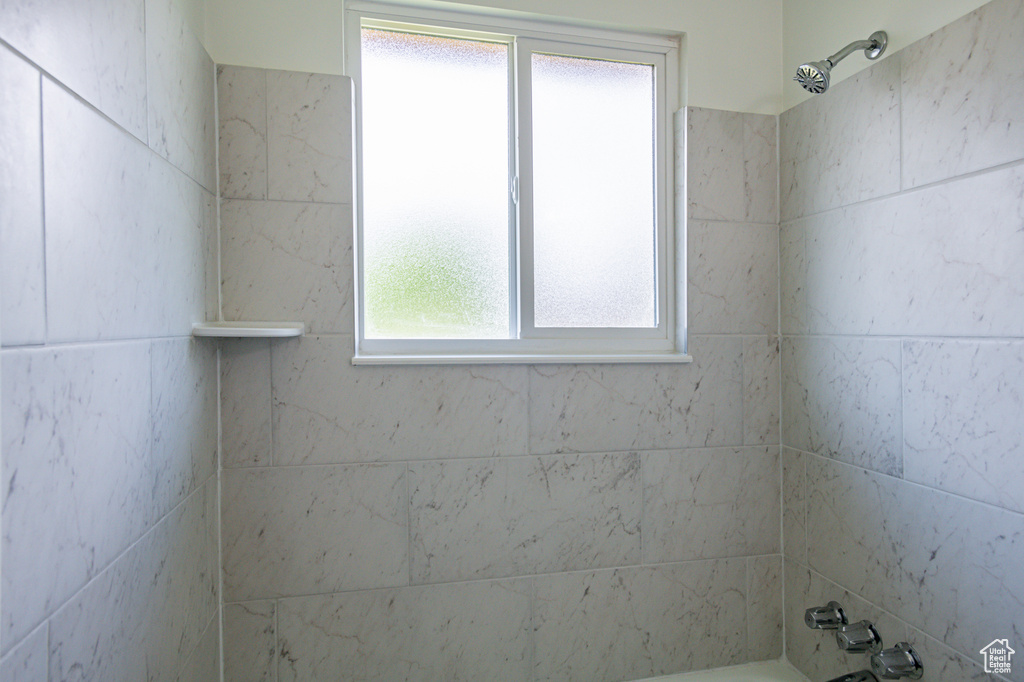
(664,343)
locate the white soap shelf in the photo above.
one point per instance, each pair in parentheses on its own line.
(248,330)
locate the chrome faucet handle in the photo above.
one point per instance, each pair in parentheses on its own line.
(899,661)
(828,617)
(859,637)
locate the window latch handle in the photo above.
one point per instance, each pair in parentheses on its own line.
(515,189)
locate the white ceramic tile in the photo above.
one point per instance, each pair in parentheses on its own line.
(27,661)
(632,623)
(733,276)
(22,292)
(460,633)
(97,49)
(122,220)
(963,94)
(211,255)
(963,429)
(814,652)
(309,137)
(523,515)
(761,168)
(793,278)
(761,381)
(182,125)
(203,664)
(141,617)
(764,607)
(941,261)
(184,376)
(245,411)
(945,565)
(794,506)
(708,504)
(78,482)
(841,399)
(326,410)
(600,408)
(242,108)
(250,642)
(288,261)
(313,530)
(715,168)
(843,147)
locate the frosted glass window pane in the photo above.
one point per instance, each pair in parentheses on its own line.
(435,187)
(593,183)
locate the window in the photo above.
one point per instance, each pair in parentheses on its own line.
(514,190)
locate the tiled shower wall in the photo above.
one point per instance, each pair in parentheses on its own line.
(109,409)
(902,243)
(569,522)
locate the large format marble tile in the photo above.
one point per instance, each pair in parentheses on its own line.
(242,108)
(732,166)
(793,278)
(764,608)
(942,664)
(633,623)
(962,95)
(97,49)
(523,515)
(326,410)
(182,125)
(814,652)
(125,222)
(600,408)
(309,137)
(22,290)
(844,147)
(794,505)
(250,642)
(709,504)
(184,376)
(78,477)
(27,662)
(945,565)
(245,404)
(203,664)
(313,530)
(761,385)
(287,261)
(942,261)
(459,633)
(963,429)
(141,617)
(841,399)
(733,278)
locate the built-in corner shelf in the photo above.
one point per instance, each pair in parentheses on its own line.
(248,330)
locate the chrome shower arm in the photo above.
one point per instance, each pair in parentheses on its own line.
(872,47)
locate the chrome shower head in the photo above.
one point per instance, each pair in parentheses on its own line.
(814,76)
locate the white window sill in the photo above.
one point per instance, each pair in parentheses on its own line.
(523,359)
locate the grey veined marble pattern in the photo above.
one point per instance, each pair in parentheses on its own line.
(714,503)
(245,404)
(242,107)
(308,530)
(287,261)
(250,641)
(523,515)
(22,287)
(964,418)
(598,408)
(27,662)
(97,49)
(458,633)
(946,565)
(632,623)
(326,410)
(844,147)
(309,137)
(841,399)
(963,92)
